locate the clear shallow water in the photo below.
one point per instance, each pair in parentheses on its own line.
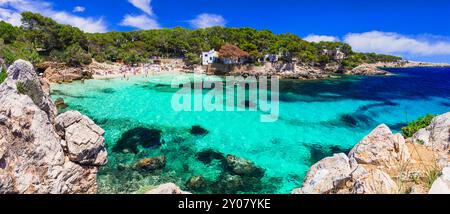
(317,118)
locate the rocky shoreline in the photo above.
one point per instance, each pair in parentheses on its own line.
(40,151)
(60,73)
(387,163)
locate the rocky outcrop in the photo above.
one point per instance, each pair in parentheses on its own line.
(82,138)
(436,135)
(325,175)
(60,72)
(33,155)
(381,148)
(367,70)
(169,188)
(383,162)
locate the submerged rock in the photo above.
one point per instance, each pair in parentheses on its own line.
(32,158)
(152,163)
(326,175)
(140,136)
(198,131)
(196,183)
(243,167)
(207,156)
(60,104)
(169,188)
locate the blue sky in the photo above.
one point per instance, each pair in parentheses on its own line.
(415,29)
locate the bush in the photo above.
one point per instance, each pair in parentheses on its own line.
(75,55)
(3,75)
(413,127)
(192,59)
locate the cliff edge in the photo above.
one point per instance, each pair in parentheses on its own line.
(41,152)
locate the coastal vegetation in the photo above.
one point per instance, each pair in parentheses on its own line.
(3,75)
(416,125)
(41,38)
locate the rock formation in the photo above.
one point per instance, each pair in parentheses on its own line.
(36,157)
(383,162)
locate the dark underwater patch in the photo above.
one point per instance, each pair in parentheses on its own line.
(198,131)
(107,91)
(355,120)
(374,105)
(63,94)
(209,155)
(319,152)
(446,104)
(139,136)
(397,126)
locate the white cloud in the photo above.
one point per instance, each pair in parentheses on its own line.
(78,9)
(320,38)
(206,20)
(142,22)
(145,21)
(144,5)
(10,12)
(394,43)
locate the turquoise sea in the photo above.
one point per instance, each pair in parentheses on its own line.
(317,119)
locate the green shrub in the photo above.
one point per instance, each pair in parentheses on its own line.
(21,88)
(413,127)
(3,75)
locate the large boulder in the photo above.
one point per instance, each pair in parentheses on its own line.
(436,135)
(169,188)
(381,148)
(83,139)
(32,158)
(442,184)
(326,175)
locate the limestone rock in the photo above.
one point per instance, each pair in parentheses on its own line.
(22,74)
(442,184)
(367,70)
(84,140)
(326,175)
(152,163)
(32,159)
(436,135)
(169,188)
(381,148)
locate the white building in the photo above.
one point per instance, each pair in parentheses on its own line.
(209,57)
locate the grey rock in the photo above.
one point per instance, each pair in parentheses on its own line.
(381,148)
(84,141)
(326,175)
(169,188)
